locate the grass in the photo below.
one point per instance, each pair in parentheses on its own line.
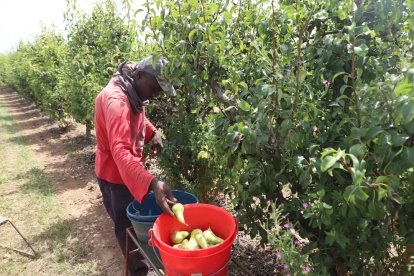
(28,200)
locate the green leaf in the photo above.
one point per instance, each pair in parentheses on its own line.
(302,76)
(243,84)
(391,180)
(374,210)
(361,50)
(191,34)
(404,88)
(202,155)
(393,156)
(408,157)
(358,150)
(373,132)
(349,193)
(326,205)
(360,194)
(382,193)
(321,193)
(343,87)
(328,162)
(211,50)
(342,240)
(328,151)
(365,30)
(321,14)
(338,74)
(245,106)
(408,112)
(245,195)
(398,139)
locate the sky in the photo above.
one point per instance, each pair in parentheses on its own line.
(23,19)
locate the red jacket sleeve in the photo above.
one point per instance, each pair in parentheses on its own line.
(134,175)
(149,130)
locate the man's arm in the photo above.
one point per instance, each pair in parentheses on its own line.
(150,130)
(154,136)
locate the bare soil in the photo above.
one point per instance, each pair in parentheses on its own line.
(67,159)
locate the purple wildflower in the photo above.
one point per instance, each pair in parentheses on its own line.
(296,242)
(305,205)
(326,83)
(286,225)
(292,231)
(308,269)
(279,255)
(285,266)
(288,274)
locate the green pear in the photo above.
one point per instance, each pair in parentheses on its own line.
(201,240)
(191,245)
(211,237)
(178,210)
(178,236)
(181,245)
(195,232)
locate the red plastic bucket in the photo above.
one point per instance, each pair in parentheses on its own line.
(201,262)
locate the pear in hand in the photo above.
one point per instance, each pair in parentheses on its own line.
(211,237)
(178,210)
(178,236)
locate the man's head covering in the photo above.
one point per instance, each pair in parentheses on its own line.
(155,68)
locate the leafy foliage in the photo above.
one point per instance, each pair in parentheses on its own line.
(279,102)
(97,43)
(278,92)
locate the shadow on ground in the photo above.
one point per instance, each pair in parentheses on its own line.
(71,153)
(81,240)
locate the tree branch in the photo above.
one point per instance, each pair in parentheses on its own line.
(219,92)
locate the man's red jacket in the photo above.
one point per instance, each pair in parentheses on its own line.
(120,138)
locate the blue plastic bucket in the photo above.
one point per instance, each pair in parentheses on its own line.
(150,211)
(143,216)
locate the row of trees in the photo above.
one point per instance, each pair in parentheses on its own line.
(301,112)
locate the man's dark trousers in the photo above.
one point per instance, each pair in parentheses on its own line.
(116,199)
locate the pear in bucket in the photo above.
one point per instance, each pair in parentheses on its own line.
(190,245)
(197,234)
(181,245)
(211,237)
(178,210)
(178,236)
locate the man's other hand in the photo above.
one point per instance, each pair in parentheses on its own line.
(156,144)
(163,195)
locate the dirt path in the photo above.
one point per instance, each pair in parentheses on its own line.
(66,158)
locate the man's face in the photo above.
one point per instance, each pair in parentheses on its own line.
(147,86)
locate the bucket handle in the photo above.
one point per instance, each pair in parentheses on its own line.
(151,243)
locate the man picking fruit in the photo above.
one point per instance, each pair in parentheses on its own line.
(121,132)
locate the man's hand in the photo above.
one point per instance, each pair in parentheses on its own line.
(163,195)
(157,145)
